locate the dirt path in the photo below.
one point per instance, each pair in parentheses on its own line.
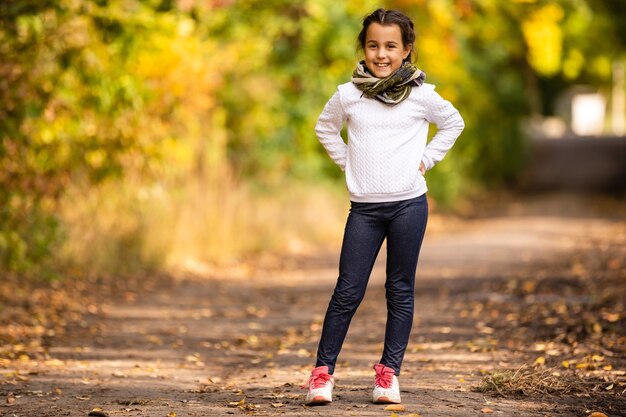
(490,296)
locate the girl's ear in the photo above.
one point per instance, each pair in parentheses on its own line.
(407,50)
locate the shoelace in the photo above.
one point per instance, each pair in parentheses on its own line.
(384,377)
(317,381)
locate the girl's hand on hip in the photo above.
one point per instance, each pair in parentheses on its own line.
(422,168)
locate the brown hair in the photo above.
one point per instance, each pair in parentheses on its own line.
(391,17)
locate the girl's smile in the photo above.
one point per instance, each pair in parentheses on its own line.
(384,50)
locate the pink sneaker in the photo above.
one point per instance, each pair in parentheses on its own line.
(386,386)
(320,386)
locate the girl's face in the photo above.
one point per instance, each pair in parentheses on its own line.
(384,50)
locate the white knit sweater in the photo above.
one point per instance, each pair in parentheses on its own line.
(387,142)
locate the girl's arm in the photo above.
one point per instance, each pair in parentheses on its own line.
(449,124)
(328,131)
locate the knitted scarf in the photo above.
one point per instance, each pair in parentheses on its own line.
(392,89)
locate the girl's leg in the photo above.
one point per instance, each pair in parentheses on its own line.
(404,240)
(363,237)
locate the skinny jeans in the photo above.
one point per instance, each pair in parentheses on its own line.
(403,224)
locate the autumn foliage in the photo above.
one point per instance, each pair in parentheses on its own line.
(126,124)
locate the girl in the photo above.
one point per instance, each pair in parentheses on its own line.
(386,108)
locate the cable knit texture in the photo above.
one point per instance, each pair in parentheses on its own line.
(387,142)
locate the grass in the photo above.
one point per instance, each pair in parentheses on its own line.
(123,227)
(530,381)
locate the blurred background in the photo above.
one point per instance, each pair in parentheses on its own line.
(164,134)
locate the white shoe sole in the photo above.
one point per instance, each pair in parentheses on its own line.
(386,400)
(318,400)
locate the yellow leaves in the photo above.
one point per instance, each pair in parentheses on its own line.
(611,317)
(155,340)
(597,328)
(544,38)
(540,361)
(171,414)
(237,403)
(244,406)
(97,412)
(194,359)
(409,415)
(54,362)
(395,407)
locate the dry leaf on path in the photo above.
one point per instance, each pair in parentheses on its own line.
(486,410)
(277,405)
(237,403)
(395,407)
(172,414)
(10,399)
(597,414)
(97,412)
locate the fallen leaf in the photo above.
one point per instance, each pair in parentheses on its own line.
(10,399)
(172,414)
(609,388)
(540,361)
(414,415)
(597,414)
(97,413)
(486,410)
(395,407)
(277,405)
(237,403)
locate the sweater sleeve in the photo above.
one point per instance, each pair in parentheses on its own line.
(328,130)
(449,124)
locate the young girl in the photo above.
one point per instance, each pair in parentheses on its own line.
(386,108)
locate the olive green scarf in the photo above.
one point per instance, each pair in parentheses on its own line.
(392,89)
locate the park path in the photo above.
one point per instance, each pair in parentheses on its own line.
(242,342)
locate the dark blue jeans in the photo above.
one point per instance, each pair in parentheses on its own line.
(403,224)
